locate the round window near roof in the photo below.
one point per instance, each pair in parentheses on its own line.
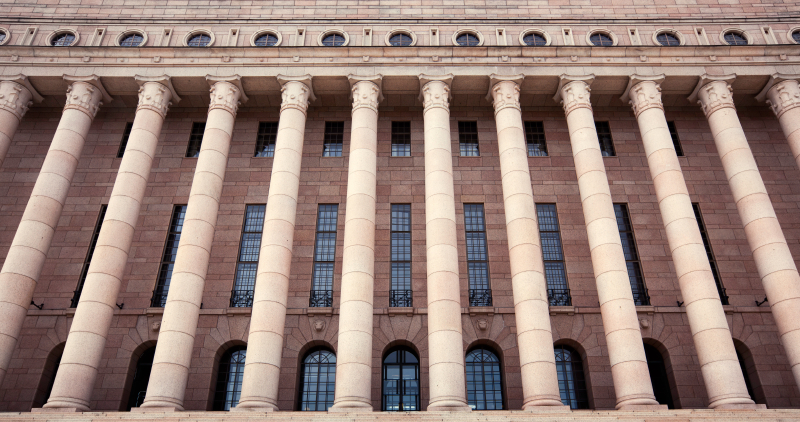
(735,38)
(600,39)
(401,39)
(3,36)
(199,40)
(796,36)
(534,39)
(266,40)
(62,39)
(133,39)
(668,40)
(334,39)
(468,39)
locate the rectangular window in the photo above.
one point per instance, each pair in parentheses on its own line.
(468,139)
(334,136)
(88,260)
(534,137)
(480,293)
(401,139)
(640,296)
(245,281)
(400,296)
(168,258)
(324,257)
(265,142)
(195,139)
(124,143)
(723,297)
(676,142)
(604,137)
(553,255)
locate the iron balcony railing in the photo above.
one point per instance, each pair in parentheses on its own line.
(321,299)
(640,297)
(76,297)
(159,300)
(559,297)
(400,299)
(723,295)
(242,298)
(480,297)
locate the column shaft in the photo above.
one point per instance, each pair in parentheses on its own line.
(712,338)
(771,253)
(354,357)
(28,250)
(531,306)
(173,356)
(445,342)
(261,379)
(86,343)
(623,337)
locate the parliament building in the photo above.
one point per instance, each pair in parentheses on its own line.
(520,208)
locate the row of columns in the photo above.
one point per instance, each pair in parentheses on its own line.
(77,373)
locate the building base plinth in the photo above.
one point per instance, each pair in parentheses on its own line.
(644,407)
(56,410)
(156,409)
(334,409)
(548,409)
(264,409)
(753,406)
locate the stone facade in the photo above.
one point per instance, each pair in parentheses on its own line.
(63,111)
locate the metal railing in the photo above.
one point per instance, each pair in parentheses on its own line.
(723,295)
(242,298)
(480,297)
(76,297)
(559,297)
(641,297)
(321,299)
(400,299)
(159,300)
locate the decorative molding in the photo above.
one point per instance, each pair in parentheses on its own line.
(574,92)
(366,91)
(643,93)
(15,98)
(504,92)
(86,94)
(435,91)
(713,93)
(225,96)
(296,92)
(780,93)
(154,96)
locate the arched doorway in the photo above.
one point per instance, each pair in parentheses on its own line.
(484,380)
(400,381)
(571,378)
(317,380)
(141,377)
(658,376)
(229,378)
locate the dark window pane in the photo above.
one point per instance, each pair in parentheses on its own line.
(195,139)
(266,40)
(62,40)
(468,40)
(400,381)
(265,141)
(131,40)
(796,36)
(668,40)
(534,39)
(400,294)
(401,40)
(468,139)
(534,137)
(640,296)
(229,379)
(318,380)
(332,142)
(249,248)
(604,137)
(601,40)
(658,376)
(711,260)
(324,257)
(735,38)
(124,142)
(477,255)
(676,142)
(484,380)
(199,40)
(333,40)
(88,260)
(168,258)
(571,379)
(553,255)
(401,139)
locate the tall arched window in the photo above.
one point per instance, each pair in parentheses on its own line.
(229,380)
(749,372)
(484,380)
(318,379)
(141,377)
(658,376)
(48,378)
(400,381)
(571,378)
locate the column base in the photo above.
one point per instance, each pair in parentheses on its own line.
(56,410)
(644,407)
(254,406)
(253,409)
(334,409)
(449,406)
(157,409)
(548,409)
(753,406)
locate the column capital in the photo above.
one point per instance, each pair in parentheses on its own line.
(86,94)
(435,91)
(643,93)
(366,91)
(713,93)
(573,92)
(156,93)
(504,91)
(296,92)
(782,93)
(17,95)
(226,93)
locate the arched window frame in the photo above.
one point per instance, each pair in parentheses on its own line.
(790,35)
(670,31)
(188,37)
(606,32)
(397,31)
(471,31)
(267,31)
(744,34)
(750,371)
(48,377)
(669,376)
(227,390)
(147,350)
(536,31)
(329,382)
(580,385)
(7,33)
(417,405)
(492,351)
(124,34)
(340,32)
(56,33)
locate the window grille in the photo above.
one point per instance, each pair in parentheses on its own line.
(735,38)
(400,295)
(265,142)
(334,136)
(88,260)
(199,40)
(480,293)
(604,137)
(468,40)
(333,40)
(401,139)
(554,269)
(468,139)
(600,39)
(168,258)
(484,380)
(723,297)
(534,137)
(317,380)
(324,257)
(668,40)
(401,384)
(245,280)
(640,296)
(63,40)
(229,379)
(571,378)
(534,39)
(401,40)
(131,40)
(195,139)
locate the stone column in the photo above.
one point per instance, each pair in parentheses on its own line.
(265,342)
(173,357)
(86,343)
(16,95)
(28,250)
(354,357)
(773,259)
(445,344)
(712,338)
(782,94)
(624,340)
(531,306)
